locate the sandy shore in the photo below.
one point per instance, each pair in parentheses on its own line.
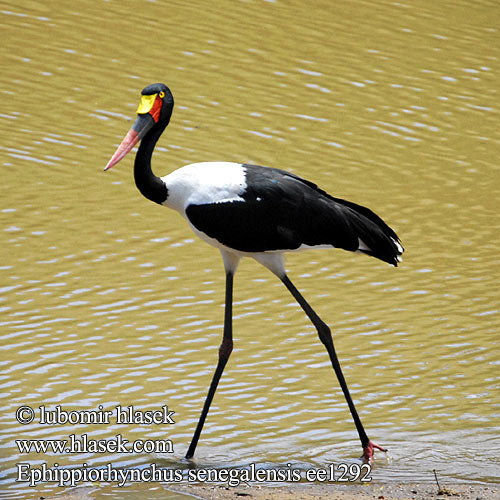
(381,491)
(315,491)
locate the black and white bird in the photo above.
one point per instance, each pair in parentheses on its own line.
(259,212)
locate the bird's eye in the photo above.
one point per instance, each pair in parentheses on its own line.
(162,94)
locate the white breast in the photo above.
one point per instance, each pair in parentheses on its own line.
(202,183)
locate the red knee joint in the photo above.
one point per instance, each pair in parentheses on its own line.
(225,349)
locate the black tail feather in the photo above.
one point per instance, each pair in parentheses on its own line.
(377,238)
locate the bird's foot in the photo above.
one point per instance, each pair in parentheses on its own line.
(368,451)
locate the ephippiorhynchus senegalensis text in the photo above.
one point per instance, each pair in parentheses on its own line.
(259,212)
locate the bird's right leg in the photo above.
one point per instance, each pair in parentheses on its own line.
(224,353)
(325,336)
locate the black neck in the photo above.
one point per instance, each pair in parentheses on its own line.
(151,186)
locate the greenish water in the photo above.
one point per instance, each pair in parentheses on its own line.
(107,299)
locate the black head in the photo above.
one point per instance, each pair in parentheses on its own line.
(155,95)
(164,93)
(155,88)
(154,112)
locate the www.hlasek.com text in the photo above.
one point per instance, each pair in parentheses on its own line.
(84,444)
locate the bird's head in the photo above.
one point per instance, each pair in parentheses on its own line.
(155,109)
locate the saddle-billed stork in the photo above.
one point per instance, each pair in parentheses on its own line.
(259,212)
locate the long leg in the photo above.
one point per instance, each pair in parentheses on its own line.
(224,352)
(325,336)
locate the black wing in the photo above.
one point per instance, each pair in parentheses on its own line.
(281,211)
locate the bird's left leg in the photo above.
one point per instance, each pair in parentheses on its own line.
(325,336)
(225,349)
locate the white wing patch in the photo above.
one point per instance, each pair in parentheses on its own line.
(206,182)
(362,245)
